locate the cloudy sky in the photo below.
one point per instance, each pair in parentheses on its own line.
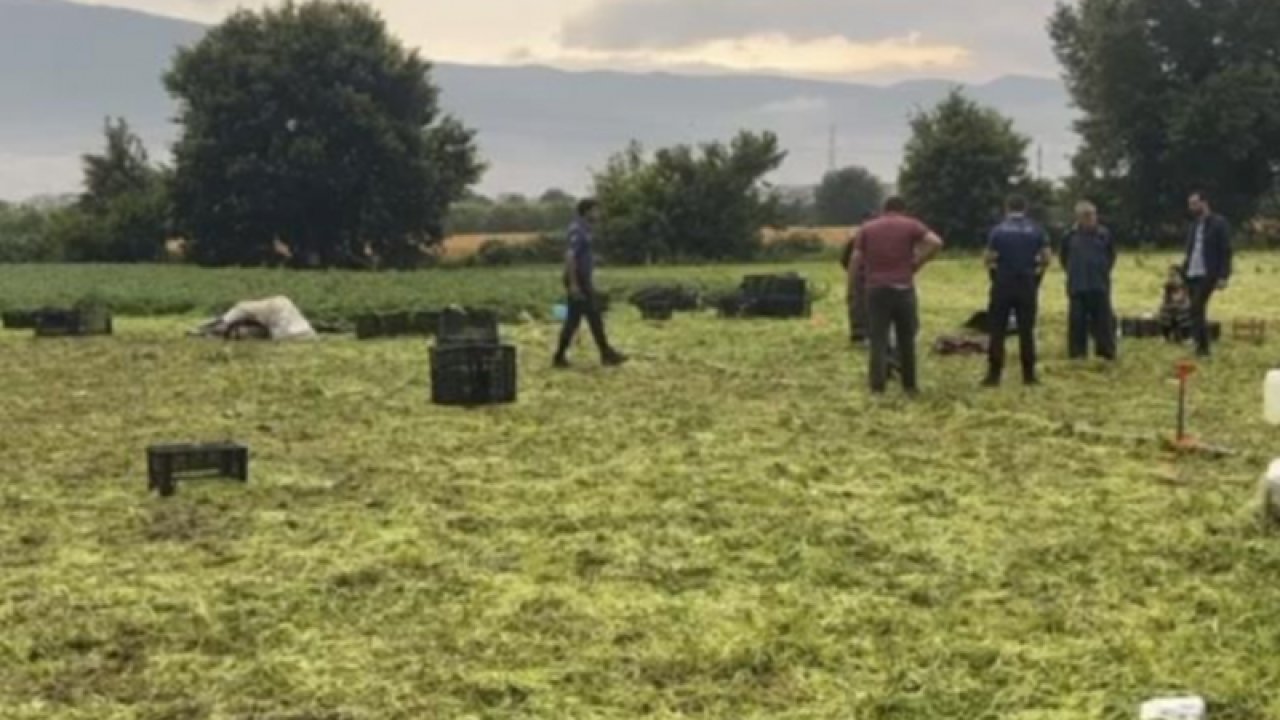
(864,40)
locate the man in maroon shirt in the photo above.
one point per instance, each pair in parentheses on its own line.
(892,249)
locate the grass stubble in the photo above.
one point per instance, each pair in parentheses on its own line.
(727,528)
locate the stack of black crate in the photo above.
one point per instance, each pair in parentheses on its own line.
(769,296)
(470,365)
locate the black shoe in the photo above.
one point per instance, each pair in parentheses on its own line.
(560,364)
(991,382)
(615,359)
(1031,382)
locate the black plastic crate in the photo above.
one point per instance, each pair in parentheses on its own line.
(472,375)
(1249,330)
(778,306)
(392,325)
(467,327)
(167,463)
(728,305)
(20,319)
(424,324)
(78,322)
(679,297)
(654,310)
(368,327)
(1140,328)
(775,296)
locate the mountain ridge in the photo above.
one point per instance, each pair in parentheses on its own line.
(65,66)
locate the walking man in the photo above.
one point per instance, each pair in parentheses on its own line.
(891,250)
(1088,255)
(1207,266)
(579,277)
(1017,254)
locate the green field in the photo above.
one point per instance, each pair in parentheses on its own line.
(727,528)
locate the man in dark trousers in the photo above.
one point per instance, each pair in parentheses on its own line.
(1017,254)
(579,281)
(891,250)
(1088,255)
(857,297)
(1207,266)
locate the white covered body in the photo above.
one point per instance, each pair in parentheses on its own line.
(279,315)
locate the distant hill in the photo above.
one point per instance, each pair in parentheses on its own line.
(64,67)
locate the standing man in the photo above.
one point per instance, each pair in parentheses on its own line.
(891,250)
(1017,254)
(579,281)
(1089,255)
(857,296)
(1207,266)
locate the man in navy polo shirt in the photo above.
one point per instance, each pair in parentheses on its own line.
(579,282)
(1017,254)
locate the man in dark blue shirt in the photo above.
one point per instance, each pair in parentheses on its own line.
(1017,254)
(1088,255)
(579,281)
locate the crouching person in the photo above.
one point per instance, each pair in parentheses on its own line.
(1175,308)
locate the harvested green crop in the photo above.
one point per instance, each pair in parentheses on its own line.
(727,528)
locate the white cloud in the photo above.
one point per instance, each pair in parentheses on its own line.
(776,53)
(851,39)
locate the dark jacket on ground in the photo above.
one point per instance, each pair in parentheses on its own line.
(1089,257)
(1217,248)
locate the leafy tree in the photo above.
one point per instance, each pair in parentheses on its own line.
(122,169)
(123,215)
(796,210)
(685,203)
(1175,95)
(551,212)
(847,196)
(556,196)
(25,235)
(310,126)
(962,162)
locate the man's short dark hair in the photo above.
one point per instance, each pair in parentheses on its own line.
(1017,204)
(586,205)
(895,204)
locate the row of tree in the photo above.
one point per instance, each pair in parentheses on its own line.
(479,215)
(310,137)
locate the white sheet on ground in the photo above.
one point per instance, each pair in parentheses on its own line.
(278,314)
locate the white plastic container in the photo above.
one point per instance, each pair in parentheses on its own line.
(1271,493)
(1189,708)
(1271,397)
